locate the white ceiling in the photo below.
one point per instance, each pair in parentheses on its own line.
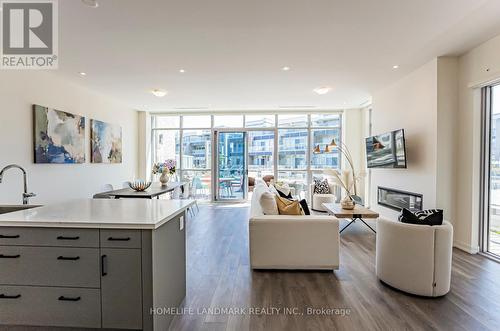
(233,50)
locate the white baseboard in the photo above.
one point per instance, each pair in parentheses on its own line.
(466,247)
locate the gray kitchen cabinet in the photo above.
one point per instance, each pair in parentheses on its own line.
(103,274)
(121,290)
(50,306)
(49,266)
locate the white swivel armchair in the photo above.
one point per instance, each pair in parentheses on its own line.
(317,200)
(415,258)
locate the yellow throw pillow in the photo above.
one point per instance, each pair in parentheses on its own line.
(288,207)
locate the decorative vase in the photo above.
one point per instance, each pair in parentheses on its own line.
(347,203)
(164,179)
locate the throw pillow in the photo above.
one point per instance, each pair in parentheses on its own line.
(273,189)
(321,186)
(285,189)
(305,208)
(424,217)
(283,194)
(288,207)
(268,204)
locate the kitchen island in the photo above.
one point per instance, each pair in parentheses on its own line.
(93,263)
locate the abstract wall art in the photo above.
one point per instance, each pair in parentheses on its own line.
(106,142)
(59,137)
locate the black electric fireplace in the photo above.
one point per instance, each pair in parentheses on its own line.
(397,200)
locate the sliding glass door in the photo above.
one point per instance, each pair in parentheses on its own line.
(231,162)
(491,216)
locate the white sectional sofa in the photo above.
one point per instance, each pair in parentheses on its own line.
(291,242)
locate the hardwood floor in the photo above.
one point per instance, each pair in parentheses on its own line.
(219,276)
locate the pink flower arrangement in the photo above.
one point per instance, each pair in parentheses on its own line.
(167,167)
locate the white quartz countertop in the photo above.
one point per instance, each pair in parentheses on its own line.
(99,213)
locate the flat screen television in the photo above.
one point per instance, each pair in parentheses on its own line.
(386,150)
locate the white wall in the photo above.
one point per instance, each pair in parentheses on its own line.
(439,106)
(19,90)
(409,104)
(478,67)
(447,121)
(355,130)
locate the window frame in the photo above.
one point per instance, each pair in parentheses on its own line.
(309,128)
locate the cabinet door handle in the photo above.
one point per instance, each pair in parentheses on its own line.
(69,258)
(5,236)
(63,298)
(68,238)
(118,239)
(5,296)
(104,265)
(2,256)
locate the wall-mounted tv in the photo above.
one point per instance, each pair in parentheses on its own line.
(386,150)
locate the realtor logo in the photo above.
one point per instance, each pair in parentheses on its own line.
(29,34)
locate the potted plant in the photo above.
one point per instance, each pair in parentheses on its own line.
(165,170)
(347,179)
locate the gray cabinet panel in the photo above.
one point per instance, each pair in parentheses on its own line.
(49,237)
(50,306)
(49,266)
(121,290)
(169,269)
(121,238)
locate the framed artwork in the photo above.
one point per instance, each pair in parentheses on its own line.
(59,137)
(105,142)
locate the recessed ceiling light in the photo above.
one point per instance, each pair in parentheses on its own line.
(395,67)
(91,3)
(182,71)
(82,73)
(322,90)
(285,68)
(159,93)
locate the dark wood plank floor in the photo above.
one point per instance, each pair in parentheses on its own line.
(219,276)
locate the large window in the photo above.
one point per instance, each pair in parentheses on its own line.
(167,145)
(491,215)
(260,153)
(194,158)
(280,145)
(293,148)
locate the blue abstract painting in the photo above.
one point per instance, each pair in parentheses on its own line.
(59,137)
(106,142)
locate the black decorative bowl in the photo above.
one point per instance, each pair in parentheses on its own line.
(139,186)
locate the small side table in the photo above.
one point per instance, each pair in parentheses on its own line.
(358,213)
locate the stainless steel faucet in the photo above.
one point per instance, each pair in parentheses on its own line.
(26,195)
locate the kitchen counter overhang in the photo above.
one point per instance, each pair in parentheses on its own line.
(99,214)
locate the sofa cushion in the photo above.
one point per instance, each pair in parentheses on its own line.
(255,208)
(268,203)
(321,186)
(423,217)
(260,181)
(288,207)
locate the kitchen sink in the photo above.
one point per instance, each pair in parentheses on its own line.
(4,209)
